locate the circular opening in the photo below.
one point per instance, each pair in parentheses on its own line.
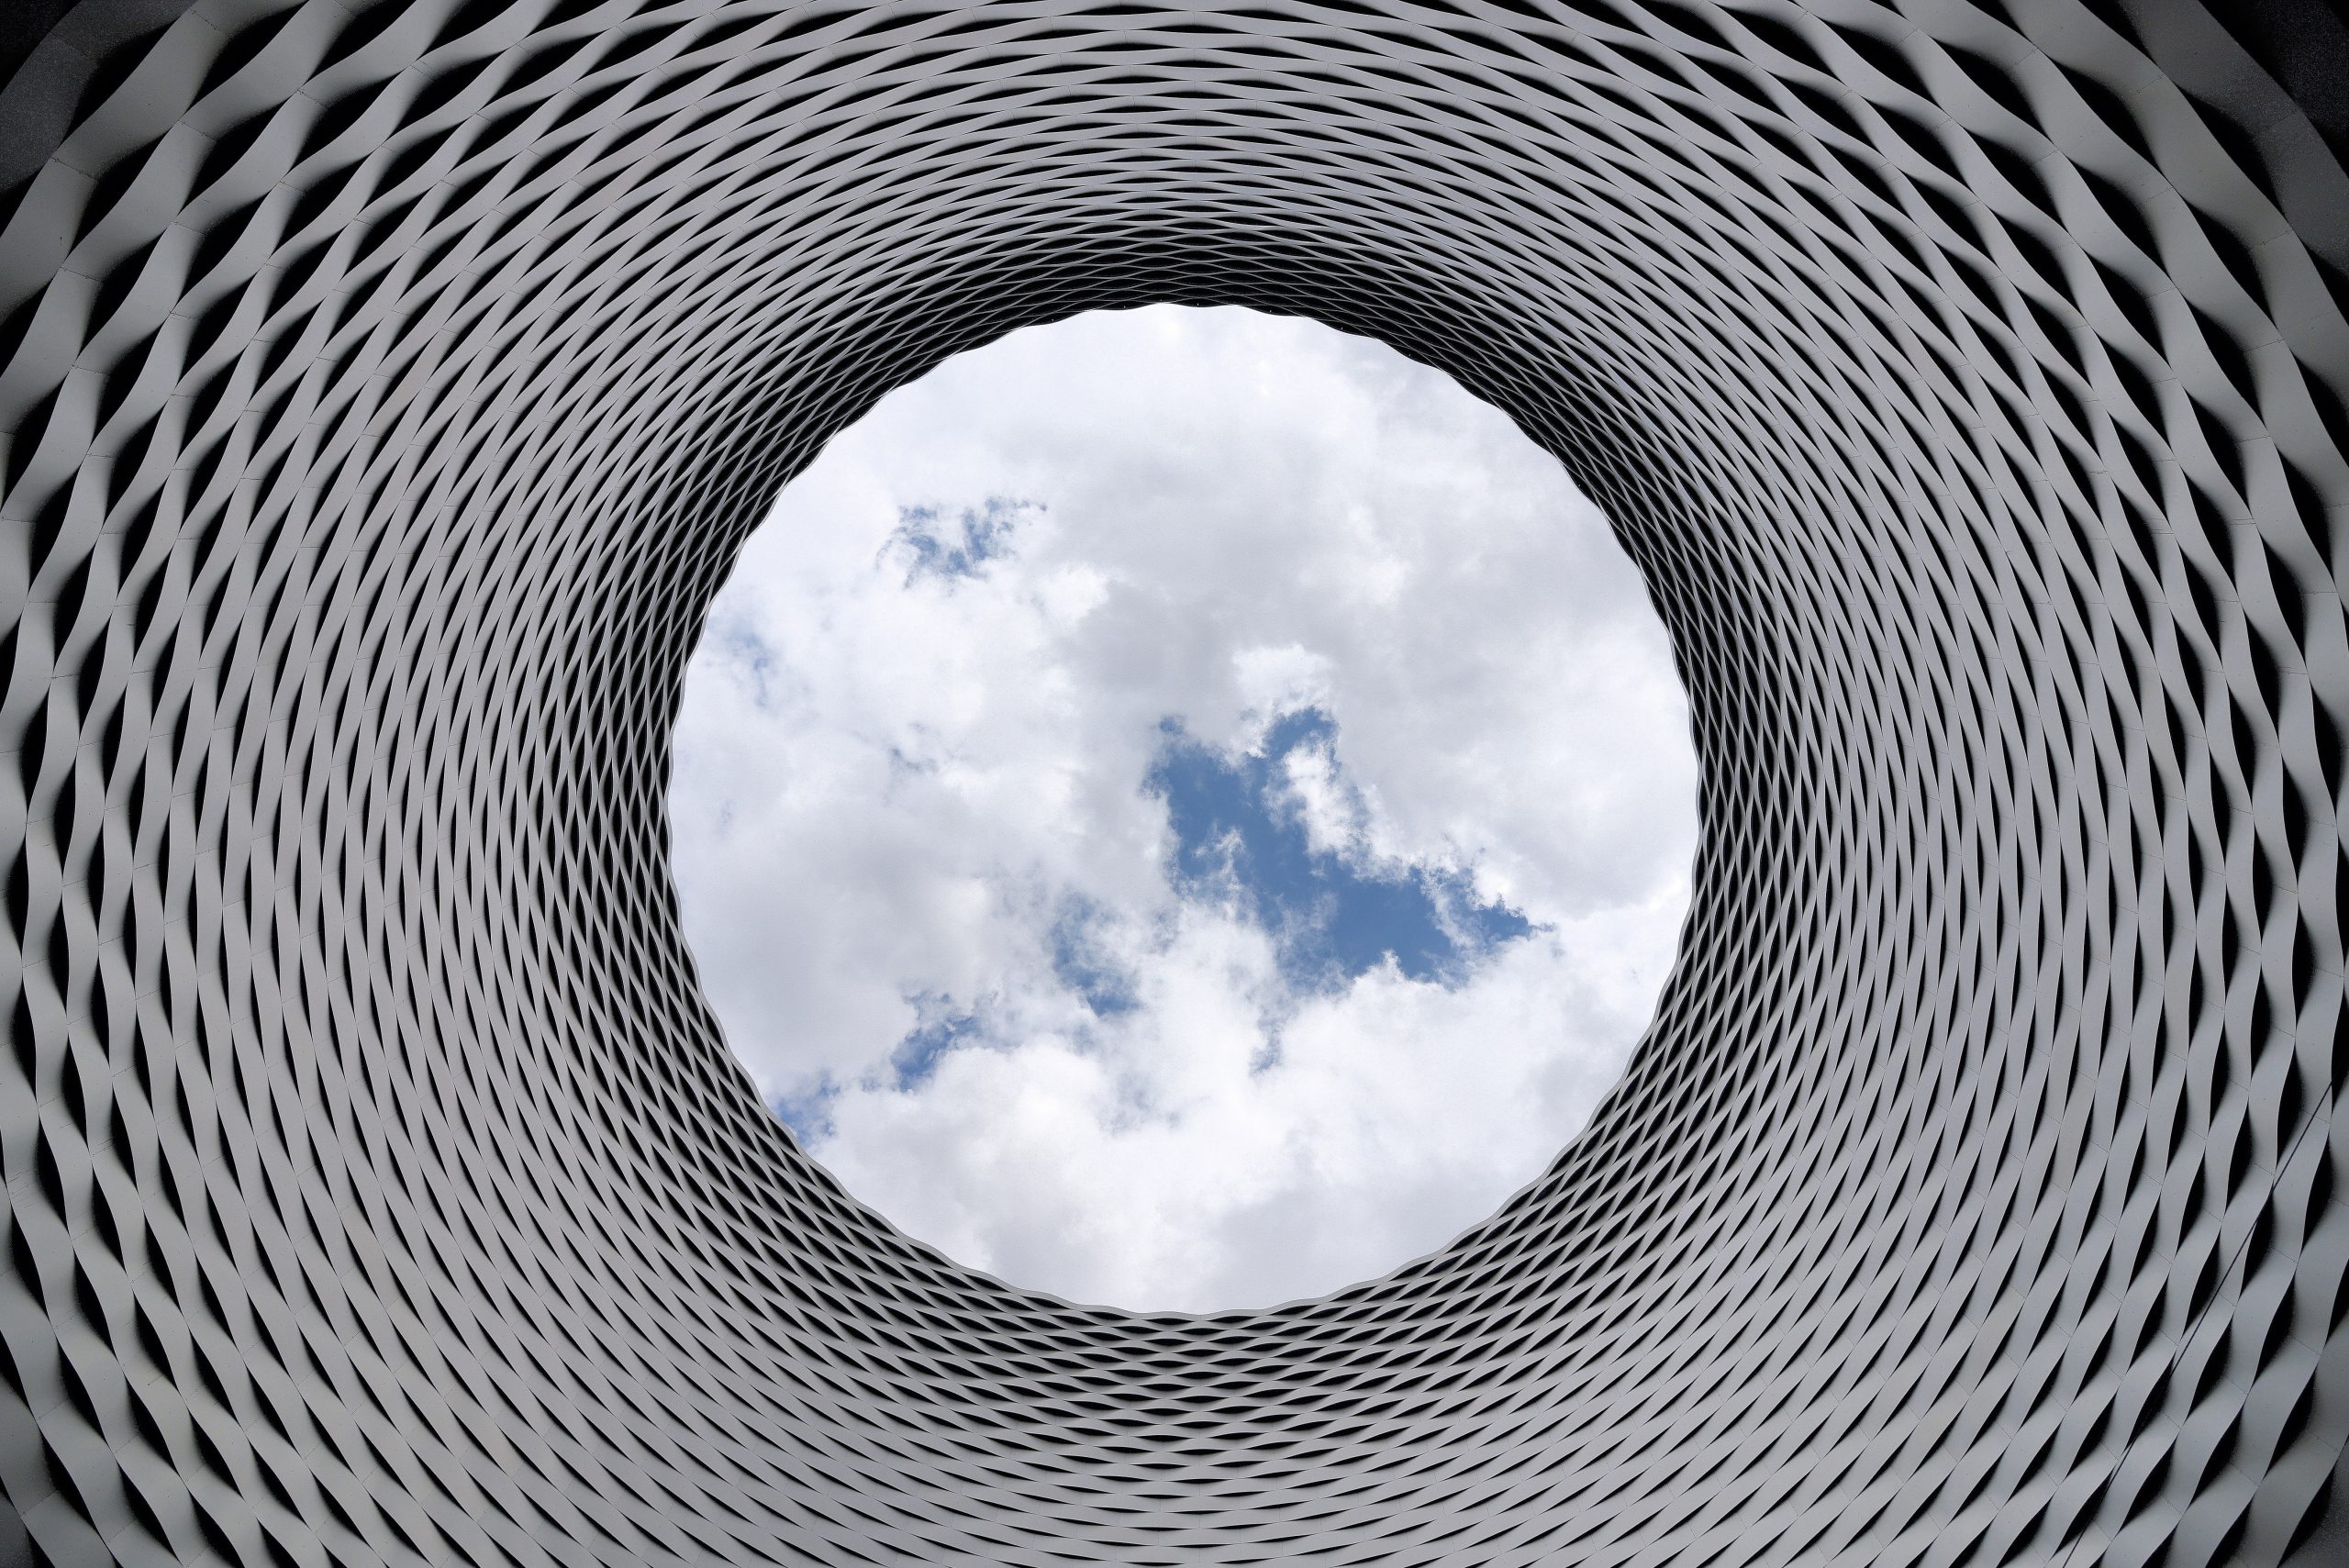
(1183,808)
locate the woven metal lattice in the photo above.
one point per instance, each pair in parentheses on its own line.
(387,388)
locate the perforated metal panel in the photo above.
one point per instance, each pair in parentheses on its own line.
(386,394)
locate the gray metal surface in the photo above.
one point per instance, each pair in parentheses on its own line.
(386,395)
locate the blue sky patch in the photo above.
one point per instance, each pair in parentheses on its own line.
(943,1027)
(1239,834)
(1239,837)
(957,545)
(808,1114)
(1079,963)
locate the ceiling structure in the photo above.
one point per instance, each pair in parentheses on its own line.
(388,389)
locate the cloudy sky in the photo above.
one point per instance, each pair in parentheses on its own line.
(1183,809)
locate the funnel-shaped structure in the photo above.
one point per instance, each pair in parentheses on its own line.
(387,388)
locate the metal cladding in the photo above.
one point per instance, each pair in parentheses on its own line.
(387,392)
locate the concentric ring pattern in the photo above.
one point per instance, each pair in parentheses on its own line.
(388,388)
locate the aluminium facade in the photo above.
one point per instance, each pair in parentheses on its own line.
(386,388)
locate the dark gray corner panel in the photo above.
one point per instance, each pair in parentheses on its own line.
(387,388)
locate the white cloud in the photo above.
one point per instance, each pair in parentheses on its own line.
(906,797)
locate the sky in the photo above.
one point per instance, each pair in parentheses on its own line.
(1183,809)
